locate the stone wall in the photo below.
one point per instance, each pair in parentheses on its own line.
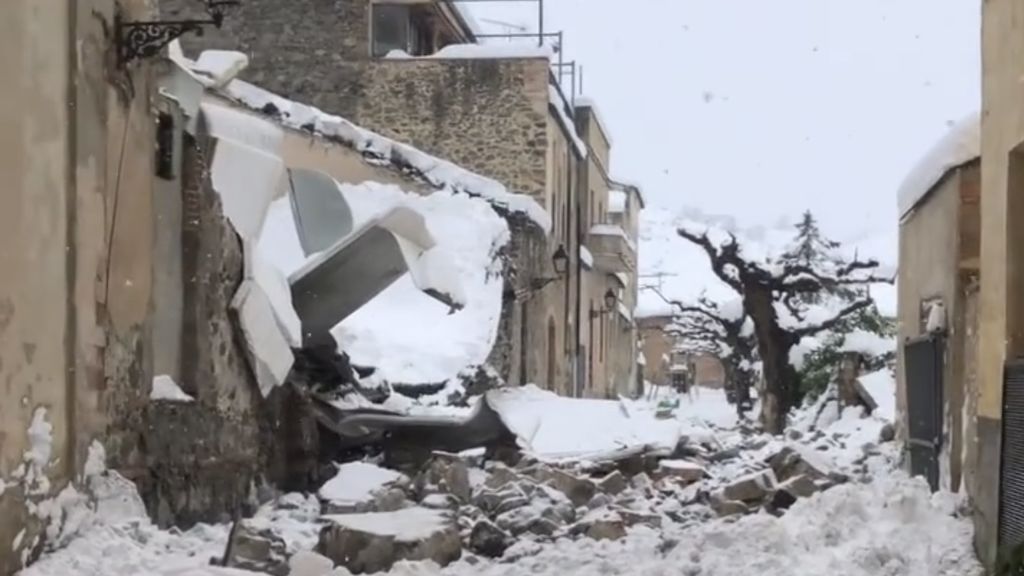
(489,116)
(293,46)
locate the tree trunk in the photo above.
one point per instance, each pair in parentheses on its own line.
(774,345)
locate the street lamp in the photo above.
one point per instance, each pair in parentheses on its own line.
(609,300)
(560,260)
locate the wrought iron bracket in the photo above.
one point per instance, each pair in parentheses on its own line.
(144,39)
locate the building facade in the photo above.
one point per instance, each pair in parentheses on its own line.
(937,313)
(410,71)
(75,247)
(1001,323)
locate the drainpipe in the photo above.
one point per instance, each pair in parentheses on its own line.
(578,384)
(574,349)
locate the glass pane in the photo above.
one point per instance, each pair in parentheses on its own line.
(390,28)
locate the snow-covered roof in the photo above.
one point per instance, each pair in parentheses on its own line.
(959,146)
(558,103)
(435,171)
(585,102)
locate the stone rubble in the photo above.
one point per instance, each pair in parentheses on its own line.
(503,509)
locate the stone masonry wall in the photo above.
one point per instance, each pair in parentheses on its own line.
(203,457)
(292,46)
(490,116)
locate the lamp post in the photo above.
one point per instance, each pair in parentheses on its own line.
(560,261)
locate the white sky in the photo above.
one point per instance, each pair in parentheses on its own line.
(762,109)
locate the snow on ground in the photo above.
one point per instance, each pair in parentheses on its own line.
(555,428)
(881,523)
(387,332)
(358,482)
(408,525)
(887,528)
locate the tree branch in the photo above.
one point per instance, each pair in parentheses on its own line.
(831,322)
(720,256)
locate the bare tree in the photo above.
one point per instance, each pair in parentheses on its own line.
(723,332)
(780,299)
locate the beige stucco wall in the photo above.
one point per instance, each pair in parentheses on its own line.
(72,128)
(34,287)
(1002,243)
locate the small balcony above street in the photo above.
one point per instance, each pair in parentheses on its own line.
(612,248)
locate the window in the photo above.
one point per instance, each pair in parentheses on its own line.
(409,28)
(165,146)
(390,28)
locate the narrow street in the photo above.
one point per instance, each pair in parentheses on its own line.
(835,503)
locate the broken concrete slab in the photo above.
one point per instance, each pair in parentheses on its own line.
(270,353)
(681,469)
(613,484)
(445,475)
(363,487)
(725,507)
(800,486)
(257,550)
(487,539)
(369,543)
(578,490)
(753,487)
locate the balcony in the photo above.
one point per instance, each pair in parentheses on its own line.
(613,251)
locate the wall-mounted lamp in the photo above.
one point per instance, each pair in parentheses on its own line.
(610,299)
(560,262)
(144,39)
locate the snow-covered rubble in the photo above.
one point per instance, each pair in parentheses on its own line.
(825,499)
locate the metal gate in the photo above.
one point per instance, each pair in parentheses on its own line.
(923,359)
(1011,475)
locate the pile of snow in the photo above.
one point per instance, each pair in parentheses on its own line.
(387,333)
(439,173)
(408,525)
(881,385)
(554,428)
(165,388)
(959,146)
(358,482)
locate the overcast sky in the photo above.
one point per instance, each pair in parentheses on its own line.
(762,108)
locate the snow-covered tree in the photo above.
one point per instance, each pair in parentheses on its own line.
(724,331)
(787,300)
(868,333)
